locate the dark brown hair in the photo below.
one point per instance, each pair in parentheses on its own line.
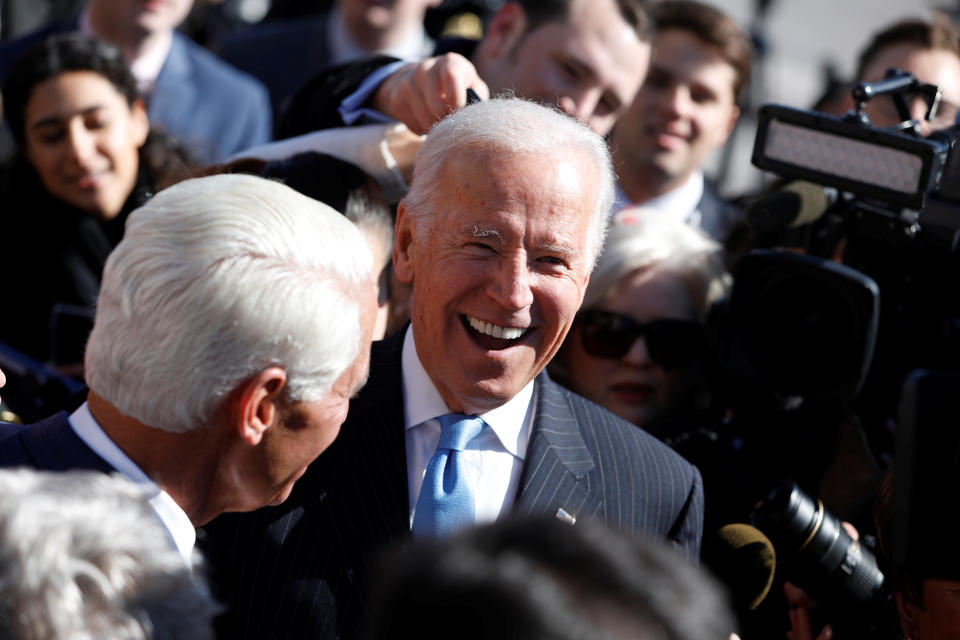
(937,34)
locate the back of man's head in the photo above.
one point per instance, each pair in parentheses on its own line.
(511,126)
(83,555)
(217,279)
(541,579)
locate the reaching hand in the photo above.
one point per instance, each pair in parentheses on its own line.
(801,607)
(422,93)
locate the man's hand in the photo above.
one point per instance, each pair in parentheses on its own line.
(422,93)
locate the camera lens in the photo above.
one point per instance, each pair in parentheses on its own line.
(816,551)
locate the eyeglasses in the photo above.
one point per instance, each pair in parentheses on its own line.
(671,343)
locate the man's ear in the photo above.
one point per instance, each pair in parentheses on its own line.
(506,29)
(259,404)
(404,242)
(734,116)
(908,615)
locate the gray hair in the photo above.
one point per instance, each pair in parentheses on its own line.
(216,279)
(641,238)
(83,555)
(518,127)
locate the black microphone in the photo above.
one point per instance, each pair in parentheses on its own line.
(795,205)
(743,559)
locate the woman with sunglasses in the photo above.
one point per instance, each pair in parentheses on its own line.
(634,348)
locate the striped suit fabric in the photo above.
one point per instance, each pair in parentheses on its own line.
(301,569)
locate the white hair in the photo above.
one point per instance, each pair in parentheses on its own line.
(215,280)
(642,238)
(514,126)
(84,556)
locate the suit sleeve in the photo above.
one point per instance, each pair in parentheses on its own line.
(687,530)
(315,105)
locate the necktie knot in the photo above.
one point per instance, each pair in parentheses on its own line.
(456,430)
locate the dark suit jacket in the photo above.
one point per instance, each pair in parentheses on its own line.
(300,570)
(282,54)
(49,445)
(718,217)
(315,105)
(199,99)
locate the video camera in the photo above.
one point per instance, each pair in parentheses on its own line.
(880,209)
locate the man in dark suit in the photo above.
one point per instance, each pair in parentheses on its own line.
(685,110)
(213,108)
(210,383)
(497,236)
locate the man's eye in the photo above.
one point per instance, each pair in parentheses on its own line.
(552,261)
(570,70)
(479,247)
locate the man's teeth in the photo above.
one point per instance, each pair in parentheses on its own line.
(487,328)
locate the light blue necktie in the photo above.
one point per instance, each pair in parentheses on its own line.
(445,503)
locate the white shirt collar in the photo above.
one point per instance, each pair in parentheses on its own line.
(422,402)
(680,202)
(343,48)
(173,517)
(146,68)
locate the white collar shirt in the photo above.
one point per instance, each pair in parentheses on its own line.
(146,68)
(174,519)
(415,45)
(682,202)
(493,460)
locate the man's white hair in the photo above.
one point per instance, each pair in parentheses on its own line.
(641,239)
(84,556)
(215,280)
(515,126)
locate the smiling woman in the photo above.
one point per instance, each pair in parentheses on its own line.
(86,158)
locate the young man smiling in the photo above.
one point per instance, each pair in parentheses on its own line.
(685,110)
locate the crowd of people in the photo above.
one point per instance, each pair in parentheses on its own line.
(334,326)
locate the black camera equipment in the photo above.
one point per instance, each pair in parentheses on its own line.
(816,553)
(887,203)
(926,517)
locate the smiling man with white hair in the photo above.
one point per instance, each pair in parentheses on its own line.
(233,326)
(459,423)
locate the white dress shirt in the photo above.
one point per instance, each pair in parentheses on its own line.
(174,519)
(681,203)
(493,460)
(343,48)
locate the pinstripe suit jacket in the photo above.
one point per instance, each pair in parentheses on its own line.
(48,445)
(299,570)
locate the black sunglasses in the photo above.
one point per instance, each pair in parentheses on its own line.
(671,343)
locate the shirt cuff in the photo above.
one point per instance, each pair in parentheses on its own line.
(352,110)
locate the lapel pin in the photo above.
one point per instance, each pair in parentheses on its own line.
(563,516)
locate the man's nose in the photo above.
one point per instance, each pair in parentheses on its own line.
(674,101)
(581,105)
(511,286)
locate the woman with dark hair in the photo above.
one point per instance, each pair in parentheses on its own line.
(86,157)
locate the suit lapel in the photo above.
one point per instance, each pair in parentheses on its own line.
(558,460)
